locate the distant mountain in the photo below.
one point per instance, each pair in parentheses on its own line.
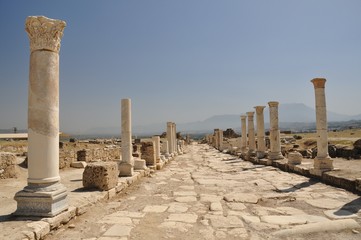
(293,116)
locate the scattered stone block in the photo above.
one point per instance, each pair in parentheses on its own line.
(101,175)
(139,164)
(78,164)
(294,158)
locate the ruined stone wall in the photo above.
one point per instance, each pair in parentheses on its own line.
(148,152)
(8,167)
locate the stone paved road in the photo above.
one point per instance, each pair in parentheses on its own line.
(205,194)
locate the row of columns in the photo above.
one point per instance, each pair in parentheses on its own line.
(322,162)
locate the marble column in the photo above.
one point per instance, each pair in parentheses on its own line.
(251,134)
(261,144)
(244,134)
(170,138)
(156,144)
(275,142)
(216,138)
(220,140)
(175,139)
(322,162)
(44,195)
(126,166)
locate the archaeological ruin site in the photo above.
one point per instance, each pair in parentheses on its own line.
(260,183)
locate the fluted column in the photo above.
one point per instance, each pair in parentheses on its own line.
(126,166)
(244,134)
(44,195)
(251,135)
(275,142)
(261,144)
(322,162)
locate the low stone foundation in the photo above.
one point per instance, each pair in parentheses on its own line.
(100,175)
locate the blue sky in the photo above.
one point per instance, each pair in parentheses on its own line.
(186,60)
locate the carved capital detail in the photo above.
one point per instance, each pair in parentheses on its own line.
(44,33)
(319,82)
(273,104)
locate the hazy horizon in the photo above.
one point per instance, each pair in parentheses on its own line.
(184,61)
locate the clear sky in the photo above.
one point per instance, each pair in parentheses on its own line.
(184,60)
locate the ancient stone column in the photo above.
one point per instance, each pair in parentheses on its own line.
(165,148)
(251,135)
(156,143)
(170,137)
(322,162)
(220,140)
(175,140)
(127,163)
(261,144)
(44,195)
(216,138)
(244,134)
(275,142)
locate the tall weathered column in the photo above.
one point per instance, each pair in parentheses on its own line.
(169,137)
(216,138)
(156,143)
(220,140)
(244,134)
(322,162)
(251,135)
(275,142)
(126,166)
(44,195)
(175,141)
(165,148)
(261,144)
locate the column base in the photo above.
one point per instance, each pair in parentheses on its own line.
(125,169)
(275,156)
(260,154)
(323,164)
(42,200)
(140,164)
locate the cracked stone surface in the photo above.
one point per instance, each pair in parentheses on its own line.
(205,194)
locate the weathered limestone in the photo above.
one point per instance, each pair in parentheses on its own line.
(170,137)
(322,162)
(251,135)
(127,162)
(165,148)
(156,144)
(244,134)
(175,142)
(261,143)
(44,195)
(101,175)
(8,166)
(275,142)
(294,158)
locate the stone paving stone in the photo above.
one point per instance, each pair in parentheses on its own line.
(296,219)
(241,197)
(177,208)
(116,220)
(329,226)
(182,217)
(290,211)
(339,214)
(180,226)
(236,206)
(155,209)
(216,206)
(118,230)
(185,193)
(210,198)
(128,214)
(325,203)
(224,222)
(187,187)
(250,219)
(186,199)
(239,232)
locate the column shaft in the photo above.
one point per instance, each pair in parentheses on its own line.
(275,142)
(127,163)
(261,144)
(251,134)
(244,134)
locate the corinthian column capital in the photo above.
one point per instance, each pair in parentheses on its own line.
(44,33)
